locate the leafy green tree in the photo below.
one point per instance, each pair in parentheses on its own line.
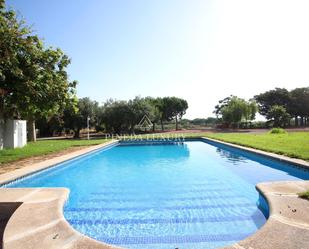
(250,110)
(278,96)
(117,116)
(299,106)
(222,103)
(279,116)
(233,110)
(77,120)
(48,126)
(140,107)
(172,108)
(154,111)
(34,78)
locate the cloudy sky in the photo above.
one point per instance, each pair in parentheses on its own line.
(195,49)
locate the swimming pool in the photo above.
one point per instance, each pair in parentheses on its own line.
(189,195)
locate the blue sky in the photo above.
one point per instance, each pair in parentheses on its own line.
(196,49)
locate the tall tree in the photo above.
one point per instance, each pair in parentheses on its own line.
(279,116)
(299,106)
(34,78)
(77,120)
(173,108)
(233,110)
(117,116)
(278,96)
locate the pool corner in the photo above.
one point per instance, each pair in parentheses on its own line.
(288,223)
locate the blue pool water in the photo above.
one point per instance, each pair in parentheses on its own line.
(191,195)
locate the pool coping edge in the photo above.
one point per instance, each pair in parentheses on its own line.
(49,163)
(295,161)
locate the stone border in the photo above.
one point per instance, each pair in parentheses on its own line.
(288,224)
(28,170)
(294,161)
(39,222)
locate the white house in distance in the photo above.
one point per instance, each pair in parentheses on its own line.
(13,133)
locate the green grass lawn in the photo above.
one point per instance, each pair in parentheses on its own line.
(294,144)
(43,148)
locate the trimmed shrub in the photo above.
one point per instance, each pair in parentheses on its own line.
(277,131)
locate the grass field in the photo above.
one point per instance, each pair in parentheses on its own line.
(43,148)
(294,144)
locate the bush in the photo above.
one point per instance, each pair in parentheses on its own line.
(304,195)
(277,131)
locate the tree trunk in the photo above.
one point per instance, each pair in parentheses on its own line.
(162,127)
(296,121)
(76,133)
(176,123)
(31,130)
(301,121)
(153,126)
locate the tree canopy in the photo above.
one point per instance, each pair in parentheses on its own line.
(279,116)
(233,110)
(33,78)
(294,102)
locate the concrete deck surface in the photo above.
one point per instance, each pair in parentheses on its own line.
(288,224)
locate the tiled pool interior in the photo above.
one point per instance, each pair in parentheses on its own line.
(190,195)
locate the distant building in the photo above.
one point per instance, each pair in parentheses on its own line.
(13,133)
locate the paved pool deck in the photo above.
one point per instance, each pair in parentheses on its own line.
(33,217)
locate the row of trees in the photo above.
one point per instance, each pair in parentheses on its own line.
(117,116)
(278,106)
(33,79)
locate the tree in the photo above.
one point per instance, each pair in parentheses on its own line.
(233,110)
(117,116)
(278,96)
(250,111)
(77,120)
(154,111)
(180,106)
(299,106)
(34,78)
(48,126)
(172,108)
(279,116)
(141,107)
(222,103)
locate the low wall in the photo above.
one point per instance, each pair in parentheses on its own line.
(13,133)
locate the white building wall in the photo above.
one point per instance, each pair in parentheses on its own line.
(21,133)
(14,134)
